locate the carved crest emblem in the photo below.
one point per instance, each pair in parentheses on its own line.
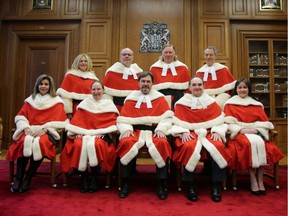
(153,37)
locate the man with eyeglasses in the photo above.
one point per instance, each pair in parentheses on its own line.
(121,78)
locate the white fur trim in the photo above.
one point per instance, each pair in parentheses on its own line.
(43,102)
(123,127)
(154,153)
(134,150)
(217,157)
(96,107)
(119,68)
(27,148)
(116,92)
(224,88)
(195,157)
(37,155)
(208,124)
(91,152)
(82,166)
(178,130)
(220,130)
(71,95)
(236,100)
(216,65)
(82,74)
(160,64)
(258,150)
(153,94)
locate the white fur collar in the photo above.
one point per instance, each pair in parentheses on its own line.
(160,64)
(84,75)
(119,68)
(153,94)
(101,106)
(236,100)
(186,100)
(43,102)
(217,66)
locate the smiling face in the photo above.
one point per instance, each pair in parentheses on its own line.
(168,54)
(209,57)
(196,86)
(44,87)
(242,90)
(97,91)
(83,64)
(126,57)
(145,84)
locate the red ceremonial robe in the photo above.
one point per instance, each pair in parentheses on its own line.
(75,87)
(159,116)
(218,88)
(205,118)
(252,150)
(91,119)
(178,81)
(42,112)
(117,85)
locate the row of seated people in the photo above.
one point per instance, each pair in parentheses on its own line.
(145,119)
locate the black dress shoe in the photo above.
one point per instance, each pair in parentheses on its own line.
(84,187)
(16,186)
(262,192)
(123,193)
(256,193)
(26,183)
(192,195)
(215,194)
(93,185)
(161,193)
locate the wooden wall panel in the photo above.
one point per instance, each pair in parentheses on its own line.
(239,9)
(71,8)
(98,8)
(97,41)
(213,8)
(100,67)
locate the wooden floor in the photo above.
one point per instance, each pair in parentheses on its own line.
(139,161)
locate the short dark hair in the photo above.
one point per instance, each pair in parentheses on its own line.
(196,76)
(96,81)
(144,74)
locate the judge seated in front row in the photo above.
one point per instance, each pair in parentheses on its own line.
(199,128)
(144,119)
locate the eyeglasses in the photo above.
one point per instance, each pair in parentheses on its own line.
(124,54)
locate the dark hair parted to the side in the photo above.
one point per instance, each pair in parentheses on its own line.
(42,77)
(97,81)
(144,74)
(248,84)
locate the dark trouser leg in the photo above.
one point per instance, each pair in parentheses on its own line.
(20,172)
(218,175)
(21,167)
(125,174)
(94,175)
(34,165)
(188,177)
(162,174)
(84,181)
